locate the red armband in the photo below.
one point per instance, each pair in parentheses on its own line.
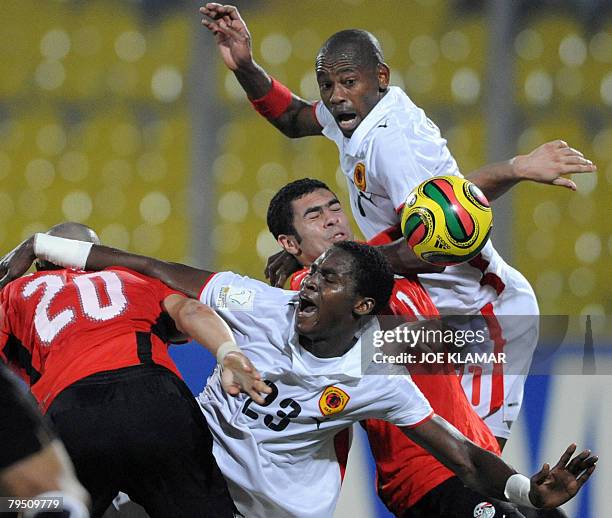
(275,102)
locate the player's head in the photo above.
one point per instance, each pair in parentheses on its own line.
(69,230)
(352,76)
(306,218)
(349,281)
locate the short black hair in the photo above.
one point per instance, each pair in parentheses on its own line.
(372,272)
(367,48)
(280,211)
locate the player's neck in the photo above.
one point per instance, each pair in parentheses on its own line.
(331,346)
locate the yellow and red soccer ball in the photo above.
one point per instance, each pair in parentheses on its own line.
(446,220)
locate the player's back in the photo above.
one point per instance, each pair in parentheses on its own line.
(62,325)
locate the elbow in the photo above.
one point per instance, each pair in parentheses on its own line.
(288,130)
(191,311)
(288,125)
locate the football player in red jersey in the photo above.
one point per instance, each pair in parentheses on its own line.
(306,218)
(93,348)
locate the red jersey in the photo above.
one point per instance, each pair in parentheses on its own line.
(59,326)
(405,471)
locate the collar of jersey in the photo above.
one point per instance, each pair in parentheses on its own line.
(379,111)
(344,368)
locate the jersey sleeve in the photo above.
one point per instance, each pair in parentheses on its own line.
(404,404)
(409,156)
(250,307)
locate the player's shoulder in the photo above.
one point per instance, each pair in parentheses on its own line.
(402,116)
(398,127)
(17,284)
(398,108)
(229,286)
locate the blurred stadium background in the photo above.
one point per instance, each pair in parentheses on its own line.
(119,114)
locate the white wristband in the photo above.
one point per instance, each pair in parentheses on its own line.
(226,348)
(62,252)
(517,490)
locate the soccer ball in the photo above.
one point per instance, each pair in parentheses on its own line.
(446,220)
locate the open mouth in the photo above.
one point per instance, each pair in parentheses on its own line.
(338,236)
(306,307)
(347,121)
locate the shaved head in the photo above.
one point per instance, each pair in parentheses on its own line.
(352,77)
(360,46)
(68,230)
(76,231)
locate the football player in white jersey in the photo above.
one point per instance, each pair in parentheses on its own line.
(388,146)
(278,457)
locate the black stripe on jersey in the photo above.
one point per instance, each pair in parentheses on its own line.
(16,353)
(144,347)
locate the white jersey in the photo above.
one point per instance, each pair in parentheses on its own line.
(279,458)
(395,148)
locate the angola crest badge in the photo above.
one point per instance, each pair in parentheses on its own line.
(333,400)
(359,176)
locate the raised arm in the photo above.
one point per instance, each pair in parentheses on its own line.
(289,113)
(548,163)
(489,474)
(201,323)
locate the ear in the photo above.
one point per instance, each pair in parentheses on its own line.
(289,243)
(384,73)
(364,306)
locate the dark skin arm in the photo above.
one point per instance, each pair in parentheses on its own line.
(404,261)
(234,43)
(180,277)
(548,164)
(487,473)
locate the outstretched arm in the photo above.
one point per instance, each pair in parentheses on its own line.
(202,324)
(86,256)
(180,277)
(548,163)
(489,474)
(289,113)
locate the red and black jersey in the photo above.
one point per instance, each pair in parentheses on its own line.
(59,326)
